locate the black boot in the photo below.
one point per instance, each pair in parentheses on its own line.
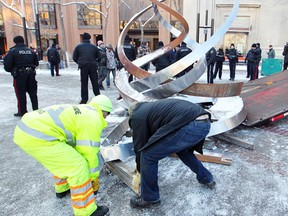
(138,202)
(62,194)
(100,211)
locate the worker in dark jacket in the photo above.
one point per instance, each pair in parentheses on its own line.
(161,128)
(220,58)
(21,62)
(163,61)
(86,55)
(181,53)
(54,60)
(210,60)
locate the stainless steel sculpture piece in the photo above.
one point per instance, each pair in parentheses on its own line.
(227,109)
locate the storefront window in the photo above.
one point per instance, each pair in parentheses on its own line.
(47,15)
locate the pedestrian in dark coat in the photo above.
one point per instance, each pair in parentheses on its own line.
(86,55)
(220,58)
(210,60)
(54,60)
(161,128)
(102,66)
(21,62)
(163,61)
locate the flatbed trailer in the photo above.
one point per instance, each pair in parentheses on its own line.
(266,99)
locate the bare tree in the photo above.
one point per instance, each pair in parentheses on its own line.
(107,5)
(142,23)
(10,7)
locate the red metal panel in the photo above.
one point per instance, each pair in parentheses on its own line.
(265,98)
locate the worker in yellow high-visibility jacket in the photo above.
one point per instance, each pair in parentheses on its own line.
(66,140)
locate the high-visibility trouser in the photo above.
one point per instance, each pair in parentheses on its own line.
(65,162)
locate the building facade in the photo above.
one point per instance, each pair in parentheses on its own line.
(63,22)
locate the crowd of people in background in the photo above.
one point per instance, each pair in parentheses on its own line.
(99,62)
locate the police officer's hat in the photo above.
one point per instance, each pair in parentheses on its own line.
(18,39)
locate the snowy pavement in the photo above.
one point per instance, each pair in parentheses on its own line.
(256,184)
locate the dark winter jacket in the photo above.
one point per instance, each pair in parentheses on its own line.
(53,55)
(163,61)
(183,51)
(285,54)
(103,57)
(211,56)
(251,56)
(220,56)
(20,56)
(232,55)
(152,121)
(85,53)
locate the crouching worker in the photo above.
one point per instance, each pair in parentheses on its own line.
(65,139)
(159,129)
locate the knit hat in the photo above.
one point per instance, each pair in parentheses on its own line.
(18,39)
(99,42)
(86,36)
(254,45)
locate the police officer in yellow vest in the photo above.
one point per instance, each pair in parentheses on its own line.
(66,140)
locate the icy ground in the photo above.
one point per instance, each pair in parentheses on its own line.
(256,184)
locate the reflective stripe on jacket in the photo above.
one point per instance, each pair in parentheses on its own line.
(77,125)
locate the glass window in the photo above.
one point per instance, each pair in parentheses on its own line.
(1,21)
(47,15)
(88,17)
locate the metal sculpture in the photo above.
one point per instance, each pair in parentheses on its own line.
(149,87)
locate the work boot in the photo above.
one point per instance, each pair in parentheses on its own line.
(138,202)
(82,102)
(100,211)
(210,185)
(18,114)
(62,194)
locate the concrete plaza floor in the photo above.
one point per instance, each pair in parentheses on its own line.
(256,184)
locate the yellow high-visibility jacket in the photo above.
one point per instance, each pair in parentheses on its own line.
(80,126)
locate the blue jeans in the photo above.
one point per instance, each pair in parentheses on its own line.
(108,76)
(179,142)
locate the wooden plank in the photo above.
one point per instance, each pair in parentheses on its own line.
(210,158)
(214,159)
(235,140)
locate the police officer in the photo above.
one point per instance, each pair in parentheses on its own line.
(210,59)
(86,56)
(130,52)
(233,59)
(21,62)
(220,58)
(251,60)
(182,52)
